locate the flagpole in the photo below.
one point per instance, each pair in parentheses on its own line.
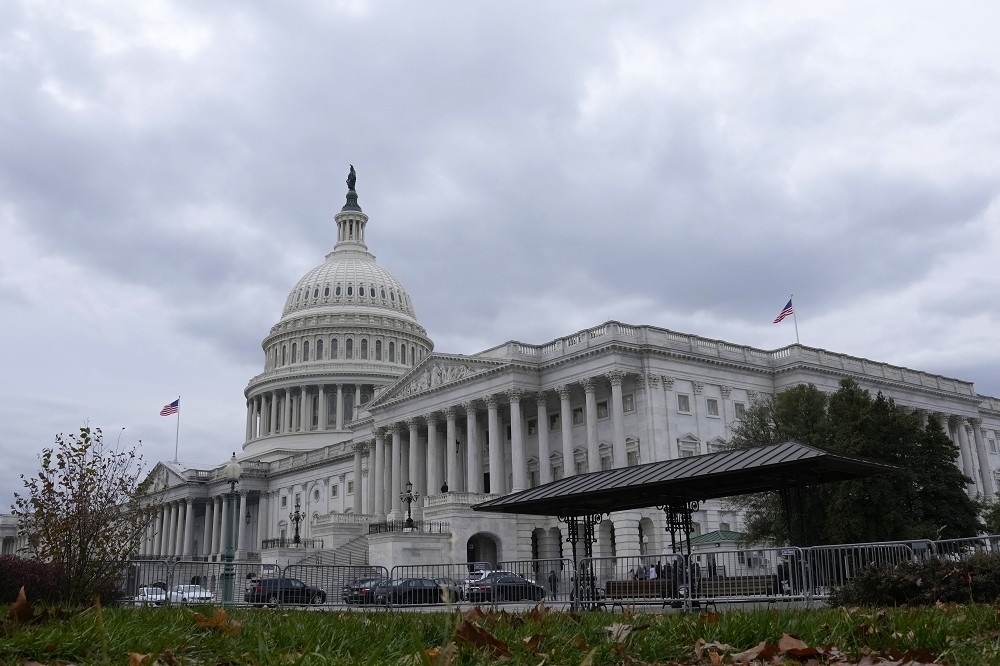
(794,319)
(177,437)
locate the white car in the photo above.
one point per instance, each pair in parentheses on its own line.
(151,596)
(190,594)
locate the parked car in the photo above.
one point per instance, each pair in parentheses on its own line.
(274,591)
(505,586)
(408,591)
(477,576)
(190,594)
(451,590)
(360,591)
(151,596)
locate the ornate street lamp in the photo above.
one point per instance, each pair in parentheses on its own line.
(232,473)
(410,496)
(296,517)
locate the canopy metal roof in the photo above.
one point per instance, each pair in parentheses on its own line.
(683,480)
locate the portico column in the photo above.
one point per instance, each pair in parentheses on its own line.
(175,528)
(593,453)
(158,536)
(287,427)
(359,447)
(249,418)
(206,537)
(263,517)
(324,408)
(217,525)
(340,406)
(963,444)
(397,469)
(357,400)
(225,522)
(619,458)
(658,448)
(413,460)
(433,455)
(304,409)
(985,472)
(241,526)
(497,476)
(188,530)
(451,452)
(378,483)
(566,428)
(518,458)
(272,423)
(544,464)
(474,452)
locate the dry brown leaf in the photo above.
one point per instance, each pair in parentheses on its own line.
(445,656)
(136,659)
(715,658)
(477,637)
(709,618)
(580,643)
(220,620)
(701,645)
(533,643)
(762,651)
(21,611)
(538,613)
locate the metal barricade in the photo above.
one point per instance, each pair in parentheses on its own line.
(200,582)
(549,580)
(962,549)
(638,580)
(746,575)
(450,583)
(329,585)
(831,566)
(145,583)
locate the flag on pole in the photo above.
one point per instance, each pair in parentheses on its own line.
(788,310)
(171,408)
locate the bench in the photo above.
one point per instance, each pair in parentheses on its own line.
(622,592)
(738,586)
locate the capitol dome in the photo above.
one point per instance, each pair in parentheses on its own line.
(347,330)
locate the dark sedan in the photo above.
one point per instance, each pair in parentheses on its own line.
(274,591)
(408,591)
(360,591)
(506,587)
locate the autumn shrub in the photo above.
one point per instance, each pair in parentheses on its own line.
(42,581)
(926,582)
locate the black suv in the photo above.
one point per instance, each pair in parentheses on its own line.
(274,591)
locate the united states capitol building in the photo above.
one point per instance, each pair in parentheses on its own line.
(353,404)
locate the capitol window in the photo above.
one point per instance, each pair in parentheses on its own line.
(628,402)
(392,296)
(532,426)
(402,354)
(392,352)
(333,348)
(294,352)
(316,292)
(553,422)
(712,406)
(602,409)
(305,350)
(739,409)
(326,292)
(378,350)
(350,290)
(337,292)
(334,491)
(284,501)
(319,349)
(364,348)
(349,348)
(383,293)
(350,487)
(371,292)
(316,494)
(683,403)
(577,415)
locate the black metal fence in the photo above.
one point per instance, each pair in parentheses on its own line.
(425,526)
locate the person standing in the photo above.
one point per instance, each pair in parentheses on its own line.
(553,583)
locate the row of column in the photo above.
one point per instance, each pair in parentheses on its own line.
(298,409)
(401,454)
(959,429)
(171,532)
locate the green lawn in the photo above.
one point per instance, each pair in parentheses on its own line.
(955,634)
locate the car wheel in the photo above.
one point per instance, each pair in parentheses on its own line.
(273,600)
(539,595)
(318,598)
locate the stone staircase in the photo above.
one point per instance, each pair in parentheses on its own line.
(354,552)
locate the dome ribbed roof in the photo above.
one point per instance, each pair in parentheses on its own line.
(349,279)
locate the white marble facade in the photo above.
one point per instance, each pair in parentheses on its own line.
(353,404)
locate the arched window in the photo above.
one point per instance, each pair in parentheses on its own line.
(364,348)
(326,292)
(305,350)
(392,352)
(293,352)
(333,348)
(371,292)
(383,293)
(402,354)
(378,350)
(319,349)
(392,296)
(361,291)
(337,292)
(349,346)
(284,354)
(316,292)
(350,290)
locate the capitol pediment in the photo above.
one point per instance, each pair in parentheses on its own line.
(435,372)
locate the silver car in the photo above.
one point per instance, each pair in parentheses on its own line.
(190,594)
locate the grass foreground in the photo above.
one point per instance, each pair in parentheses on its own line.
(955,635)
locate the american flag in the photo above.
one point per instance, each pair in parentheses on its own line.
(784,313)
(171,408)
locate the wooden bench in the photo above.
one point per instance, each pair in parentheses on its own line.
(737,587)
(622,592)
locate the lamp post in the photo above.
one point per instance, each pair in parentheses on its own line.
(410,496)
(296,517)
(232,473)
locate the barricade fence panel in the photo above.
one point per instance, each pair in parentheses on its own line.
(961,549)
(833,566)
(550,580)
(330,585)
(451,580)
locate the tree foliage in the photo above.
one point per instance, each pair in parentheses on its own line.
(85,511)
(925,499)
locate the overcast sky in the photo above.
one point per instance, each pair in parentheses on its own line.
(169,170)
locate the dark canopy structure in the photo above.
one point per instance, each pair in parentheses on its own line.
(686,480)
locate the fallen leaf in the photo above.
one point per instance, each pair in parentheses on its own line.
(135,659)
(589,659)
(21,610)
(538,613)
(715,657)
(709,618)
(219,620)
(533,643)
(619,632)
(580,643)
(477,637)
(761,651)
